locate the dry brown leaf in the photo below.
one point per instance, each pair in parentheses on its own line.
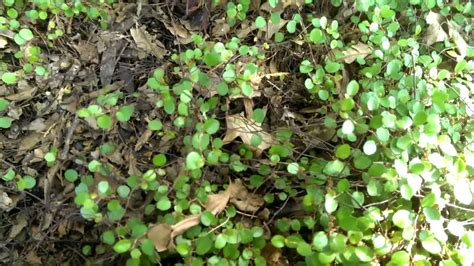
(435,32)
(220,28)
(272,28)
(28,142)
(3,42)
(242,199)
(22,95)
(143,139)
(359,49)
(163,234)
(273,256)
(179,31)
(5,201)
(239,126)
(184,225)
(281,5)
(250,204)
(33,259)
(147,43)
(20,223)
(461,44)
(160,234)
(87,52)
(217,202)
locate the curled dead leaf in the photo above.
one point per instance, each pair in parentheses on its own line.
(182,226)
(359,49)
(435,32)
(147,43)
(217,202)
(3,42)
(163,234)
(242,199)
(160,234)
(20,223)
(239,126)
(6,202)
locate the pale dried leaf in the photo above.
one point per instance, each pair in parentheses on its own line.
(143,139)
(185,224)
(160,234)
(147,43)
(20,223)
(245,29)
(5,201)
(250,204)
(179,31)
(274,28)
(220,28)
(46,221)
(28,142)
(132,164)
(351,54)
(242,199)
(33,259)
(22,95)
(3,42)
(281,5)
(435,32)
(248,105)
(87,52)
(36,125)
(239,126)
(217,202)
(461,44)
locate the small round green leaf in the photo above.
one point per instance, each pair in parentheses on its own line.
(159,160)
(211,125)
(163,204)
(370,147)
(122,246)
(124,113)
(104,121)
(343,151)
(155,125)
(260,22)
(352,88)
(3,104)
(5,122)
(71,175)
(293,168)
(9,78)
(194,161)
(402,219)
(304,249)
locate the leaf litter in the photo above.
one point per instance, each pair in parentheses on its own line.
(163,234)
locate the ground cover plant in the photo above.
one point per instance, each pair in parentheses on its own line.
(279,132)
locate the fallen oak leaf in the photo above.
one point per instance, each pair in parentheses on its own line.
(147,43)
(216,203)
(435,32)
(243,200)
(160,234)
(351,54)
(163,234)
(239,126)
(183,225)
